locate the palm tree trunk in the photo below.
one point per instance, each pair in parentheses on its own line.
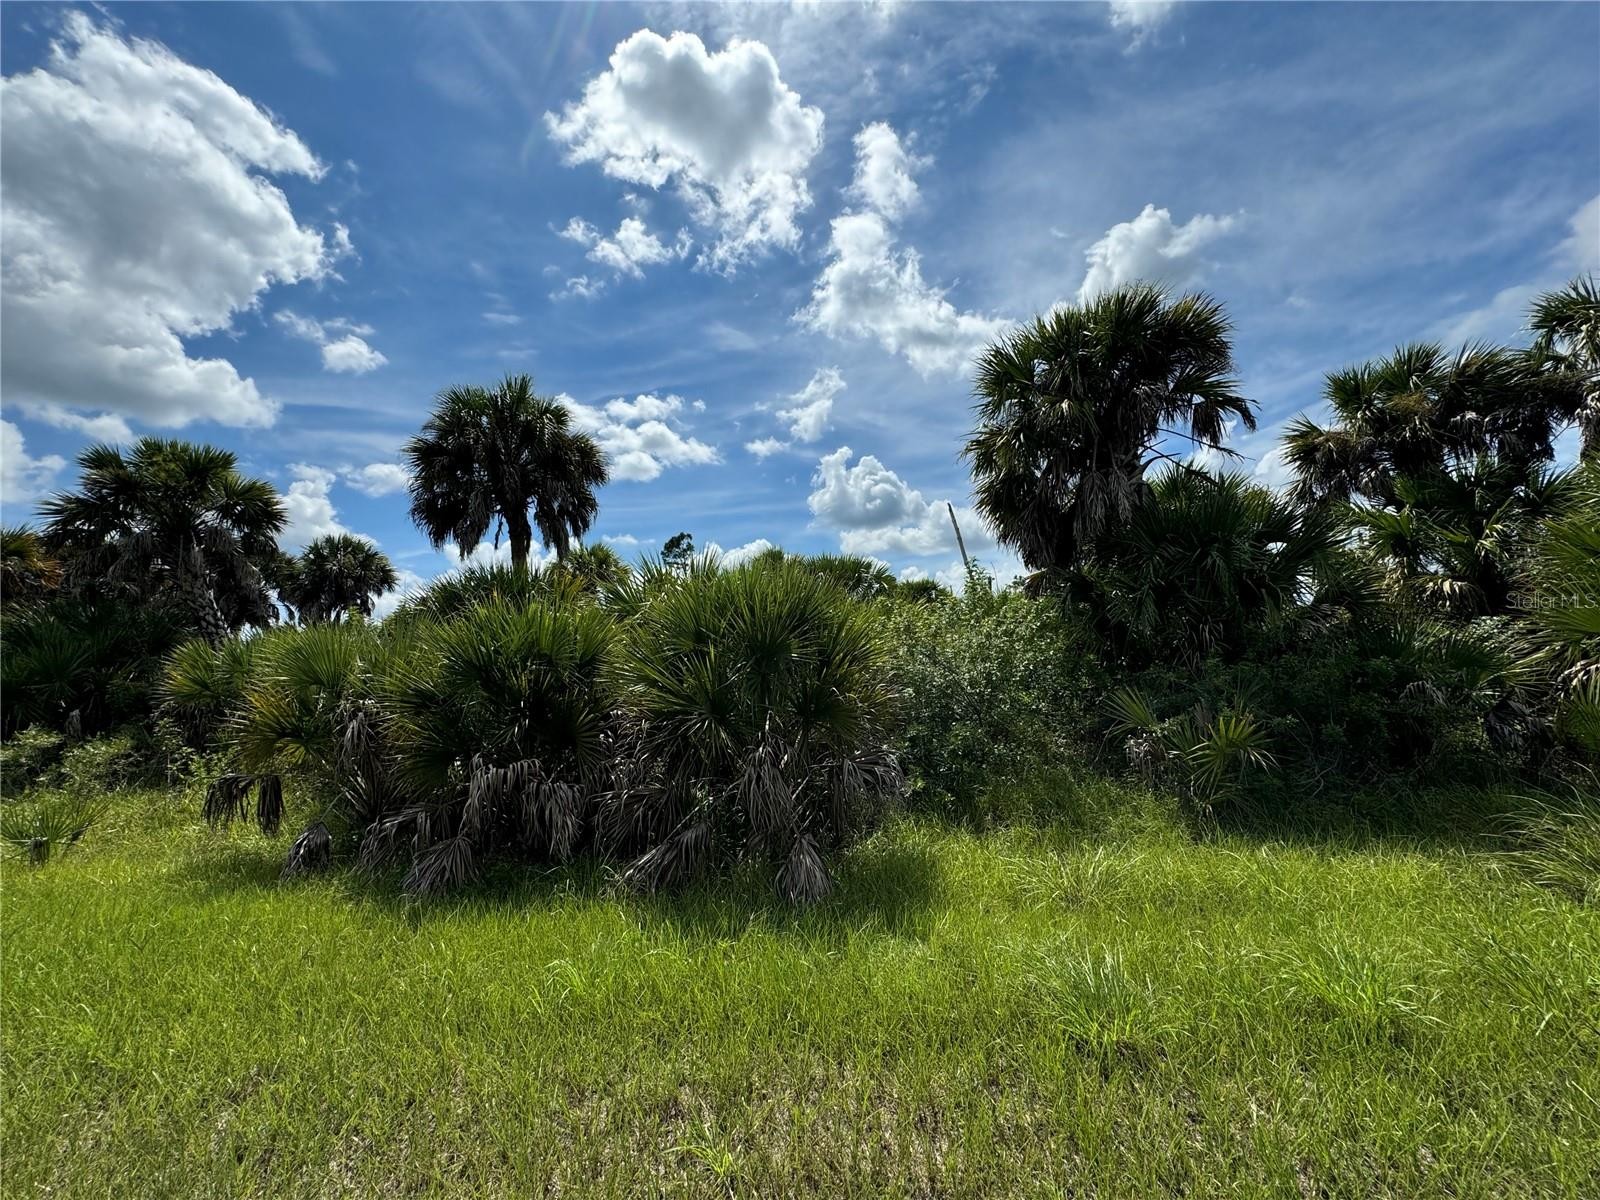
(192,585)
(521,539)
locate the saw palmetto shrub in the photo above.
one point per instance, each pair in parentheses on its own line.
(758,709)
(496,728)
(694,722)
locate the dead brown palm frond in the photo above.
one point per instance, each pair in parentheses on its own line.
(803,879)
(312,852)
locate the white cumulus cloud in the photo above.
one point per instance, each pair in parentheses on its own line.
(871,288)
(766,447)
(639,436)
(138,212)
(885,173)
(343,342)
(739,555)
(23,477)
(810,407)
(722,128)
(377,479)
(875,511)
(106,427)
(1150,247)
(629,250)
(309,507)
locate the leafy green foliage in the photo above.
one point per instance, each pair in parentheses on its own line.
(688,722)
(1205,561)
(1409,416)
(1207,753)
(678,551)
(84,666)
(170,522)
(992,687)
(28,570)
(45,825)
(762,708)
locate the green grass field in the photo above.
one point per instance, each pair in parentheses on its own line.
(1029,1012)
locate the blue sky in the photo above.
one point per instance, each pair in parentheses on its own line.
(752,246)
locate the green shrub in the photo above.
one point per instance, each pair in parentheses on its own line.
(992,686)
(692,721)
(29,758)
(83,667)
(760,705)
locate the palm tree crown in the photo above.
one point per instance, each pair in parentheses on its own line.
(172,514)
(1073,407)
(1419,410)
(337,575)
(489,455)
(1566,327)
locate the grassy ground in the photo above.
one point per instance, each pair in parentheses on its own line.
(1035,1012)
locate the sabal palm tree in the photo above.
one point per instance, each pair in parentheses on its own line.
(1454,541)
(27,568)
(337,575)
(595,567)
(175,517)
(1207,560)
(1410,414)
(1075,407)
(1566,327)
(490,455)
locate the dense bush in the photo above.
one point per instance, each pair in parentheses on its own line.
(84,666)
(689,722)
(993,686)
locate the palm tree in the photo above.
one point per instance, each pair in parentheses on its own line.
(489,455)
(1566,326)
(595,567)
(28,571)
(1074,408)
(1410,414)
(1456,538)
(337,575)
(1205,562)
(172,517)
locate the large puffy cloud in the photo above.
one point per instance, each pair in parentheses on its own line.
(875,511)
(639,436)
(309,507)
(629,250)
(885,172)
(1150,247)
(344,345)
(871,288)
(137,213)
(23,477)
(723,128)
